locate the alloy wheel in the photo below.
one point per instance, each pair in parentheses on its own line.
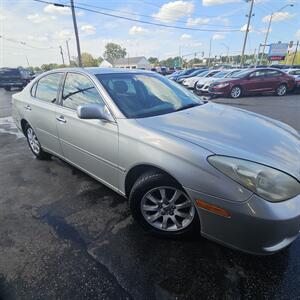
(281,90)
(236,92)
(167,208)
(33,141)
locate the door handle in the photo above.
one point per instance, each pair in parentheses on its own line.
(61,119)
(27,107)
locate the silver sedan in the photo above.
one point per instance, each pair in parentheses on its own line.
(187,167)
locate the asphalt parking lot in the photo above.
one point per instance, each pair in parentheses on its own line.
(65,236)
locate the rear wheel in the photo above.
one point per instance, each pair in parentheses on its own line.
(34,144)
(161,206)
(7,88)
(235,92)
(281,90)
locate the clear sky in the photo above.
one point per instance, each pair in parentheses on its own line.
(44,27)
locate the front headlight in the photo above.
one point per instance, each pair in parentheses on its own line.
(271,184)
(221,85)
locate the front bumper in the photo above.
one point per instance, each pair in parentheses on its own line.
(219,91)
(256,226)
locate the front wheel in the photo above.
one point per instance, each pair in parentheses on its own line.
(34,144)
(281,90)
(235,92)
(161,207)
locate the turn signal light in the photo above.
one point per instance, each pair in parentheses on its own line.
(213,208)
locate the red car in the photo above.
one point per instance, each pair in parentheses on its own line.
(254,81)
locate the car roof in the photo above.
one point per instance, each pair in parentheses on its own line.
(96,70)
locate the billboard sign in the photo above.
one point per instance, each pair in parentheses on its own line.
(278,51)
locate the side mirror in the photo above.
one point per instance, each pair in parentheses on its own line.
(94,111)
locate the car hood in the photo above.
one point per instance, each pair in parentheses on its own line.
(233,132)
(204,80)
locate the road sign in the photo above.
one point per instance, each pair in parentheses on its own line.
(176,62)
(278,51)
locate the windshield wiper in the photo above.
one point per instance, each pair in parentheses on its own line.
(188,106)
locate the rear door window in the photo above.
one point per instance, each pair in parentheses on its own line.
(47,88)
(273,73)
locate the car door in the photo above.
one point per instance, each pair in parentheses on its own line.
(272,79)
(40,110)
(92,145)
(254,82)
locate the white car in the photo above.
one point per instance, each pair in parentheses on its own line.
(293,72)
(190,83)
(202,86)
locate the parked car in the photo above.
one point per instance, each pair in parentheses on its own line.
(191,82)
(293,72)
(13,78)
(174,74)
(297,84)
(182,73)
(187,167)
(203,84)
(254,81)
(197,72)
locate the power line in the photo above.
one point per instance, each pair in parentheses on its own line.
(25,43)
(141,21)
(147,16)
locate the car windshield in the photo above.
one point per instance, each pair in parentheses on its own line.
(220,75)
(241,74)
(232,73)
(196,72)
(203,74)
(140,95)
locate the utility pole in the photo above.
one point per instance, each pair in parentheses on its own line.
(266,39)
(254,56)
(295,53)
(209,54)
(268,30)
(256,60)
(62,55)
(68,50)
(76,33)
(247,31)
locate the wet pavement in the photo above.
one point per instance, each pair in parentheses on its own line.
(65,236)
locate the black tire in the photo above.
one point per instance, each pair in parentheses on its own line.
(236,92)
(7,88)
(40,154)
(281,90)
(142,186)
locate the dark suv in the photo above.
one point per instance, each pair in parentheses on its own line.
(13,77)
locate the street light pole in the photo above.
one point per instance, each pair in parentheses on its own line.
(209,54)
(247,31)
(268,30)
(76,33)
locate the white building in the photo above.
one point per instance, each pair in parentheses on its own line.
(105,64)
(139,62)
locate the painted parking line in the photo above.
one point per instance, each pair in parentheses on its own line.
(7,125)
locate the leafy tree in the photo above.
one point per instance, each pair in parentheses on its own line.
(88,60)
(48,67)
(169,62)
(153,61)
(113,52)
